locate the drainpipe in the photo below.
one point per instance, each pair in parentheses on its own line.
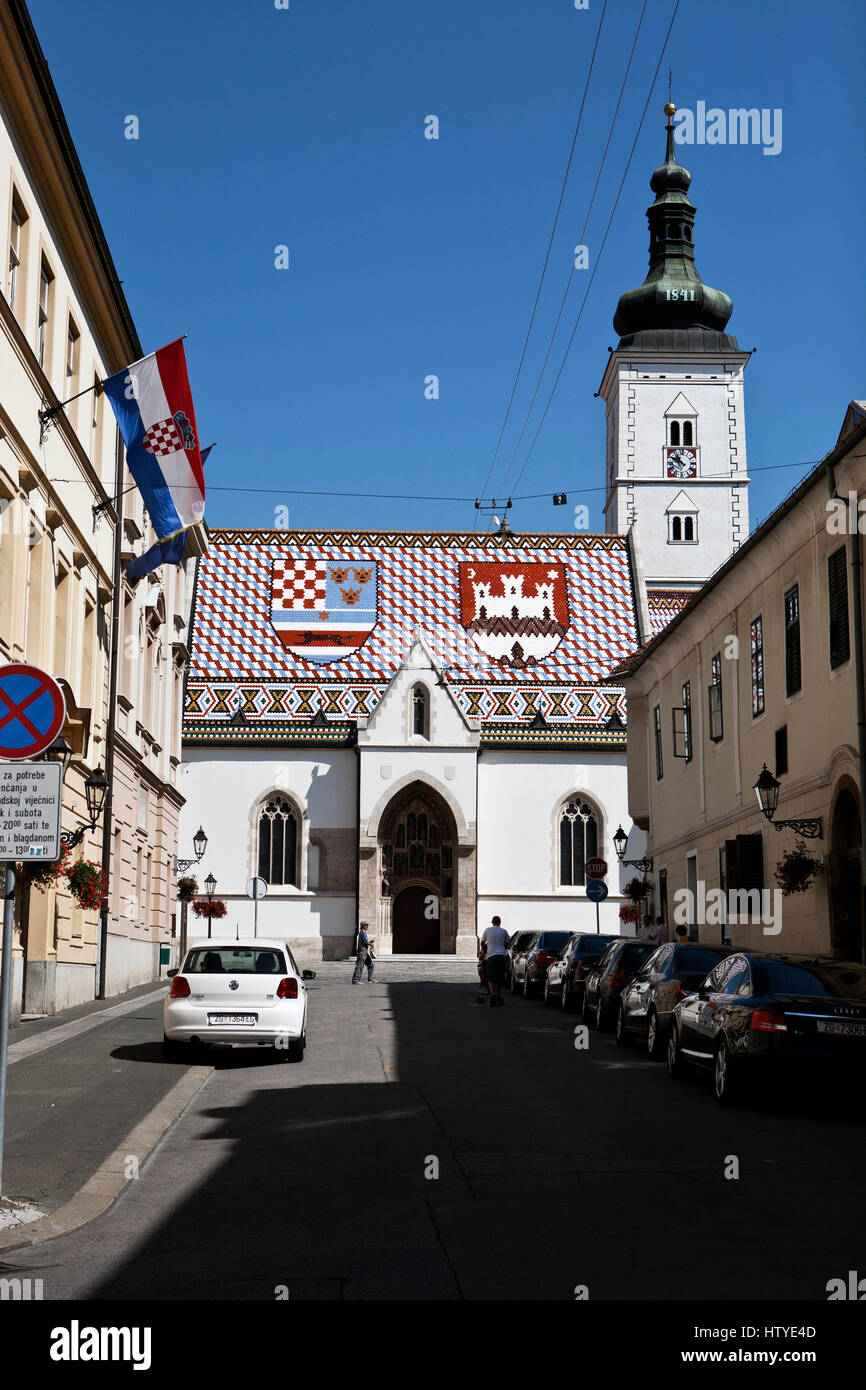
(856,550)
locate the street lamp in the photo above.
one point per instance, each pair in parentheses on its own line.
(766,789)
(210,889)
(95,788)
(199,844)
(620,844)
(61,751)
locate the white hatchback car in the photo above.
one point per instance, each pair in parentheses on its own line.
(248,992)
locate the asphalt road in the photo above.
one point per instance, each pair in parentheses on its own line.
(557,1167)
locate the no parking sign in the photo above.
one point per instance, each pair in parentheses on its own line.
(32,710)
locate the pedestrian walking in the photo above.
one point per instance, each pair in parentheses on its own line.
(494,943)
(363,956)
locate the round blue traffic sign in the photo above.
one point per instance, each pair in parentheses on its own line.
(596,891)
(32,710)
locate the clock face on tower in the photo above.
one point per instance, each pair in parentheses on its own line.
(681,463)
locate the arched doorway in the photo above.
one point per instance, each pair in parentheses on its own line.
(415,921)
(846,889)
(417,862)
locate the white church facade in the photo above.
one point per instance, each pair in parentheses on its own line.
(420,730)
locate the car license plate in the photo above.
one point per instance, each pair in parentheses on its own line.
(217,1019)
(847,1030)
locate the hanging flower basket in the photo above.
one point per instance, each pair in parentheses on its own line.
(43,873)
(637,889)
(796,870)
(205,908)
(187,889)
(86,883)
(630,912)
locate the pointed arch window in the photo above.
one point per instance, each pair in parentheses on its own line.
(278,842)
(578,841)
(421,711)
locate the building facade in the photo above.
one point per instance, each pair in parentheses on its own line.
(409,729)
(761,668)
(64,326)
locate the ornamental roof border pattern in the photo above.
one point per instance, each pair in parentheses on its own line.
(344,734)
(409,540)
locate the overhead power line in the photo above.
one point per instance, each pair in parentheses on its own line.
(547,254)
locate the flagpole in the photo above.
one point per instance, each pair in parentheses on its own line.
(114,647)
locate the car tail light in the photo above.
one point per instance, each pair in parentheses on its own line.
(543,958)
(179,988)
(769,1021)
(618,979)
(287,988)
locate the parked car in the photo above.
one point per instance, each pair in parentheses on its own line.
(604,983)
(648,999)
(566,975)
(529,966)
(247,992)
(758,1016)
(516,943)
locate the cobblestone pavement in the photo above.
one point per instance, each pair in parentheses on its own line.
(393,970)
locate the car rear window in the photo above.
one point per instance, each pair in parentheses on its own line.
(696,962)
(552,940)
(836,981)
(235,960)
(633,955)
(592,945)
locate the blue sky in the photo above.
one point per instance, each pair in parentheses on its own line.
(408,257)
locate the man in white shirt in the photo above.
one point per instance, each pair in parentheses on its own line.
(493,946)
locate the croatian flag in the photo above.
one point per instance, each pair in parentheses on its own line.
(153,404)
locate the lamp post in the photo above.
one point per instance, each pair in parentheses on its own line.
(620,844)
(199,844)
(210,889)
(95,788)
(766,789)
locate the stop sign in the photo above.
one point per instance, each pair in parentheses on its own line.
(596,868)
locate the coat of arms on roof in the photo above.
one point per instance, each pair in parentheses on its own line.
(516,613)
(322,610)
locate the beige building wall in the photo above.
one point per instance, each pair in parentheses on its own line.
(700,804)
(64,324)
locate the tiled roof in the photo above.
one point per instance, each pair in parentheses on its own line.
(664,604)
(272,609)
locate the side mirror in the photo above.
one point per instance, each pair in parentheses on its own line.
(308,974)
(170,974)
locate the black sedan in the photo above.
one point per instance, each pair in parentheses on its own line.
(566,975)
(647,1002)
(606,981)
(517,942)
(761,1015)
(529,966)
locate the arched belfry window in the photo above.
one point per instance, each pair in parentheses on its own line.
(675,431)
(578,841)
(421,711)
(278,842)
(688,432)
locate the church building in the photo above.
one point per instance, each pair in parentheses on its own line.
(418,729)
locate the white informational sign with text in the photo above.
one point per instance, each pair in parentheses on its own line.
(30,805)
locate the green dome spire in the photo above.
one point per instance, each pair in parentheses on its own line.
(673,299)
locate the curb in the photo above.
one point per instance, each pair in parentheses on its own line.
(106,1184)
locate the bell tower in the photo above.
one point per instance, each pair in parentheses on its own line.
(673,391)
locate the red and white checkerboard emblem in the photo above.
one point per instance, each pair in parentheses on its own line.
(299,585)
(162,438)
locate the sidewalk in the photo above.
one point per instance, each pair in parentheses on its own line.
(88,1097)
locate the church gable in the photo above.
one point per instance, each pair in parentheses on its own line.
(417,708)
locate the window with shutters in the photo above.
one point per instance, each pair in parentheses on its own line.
(793,678)
(714,696)
(756,643)
(278,842)
(837,591)
(781,750)
(657,726)
(687,721)
(744,862)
